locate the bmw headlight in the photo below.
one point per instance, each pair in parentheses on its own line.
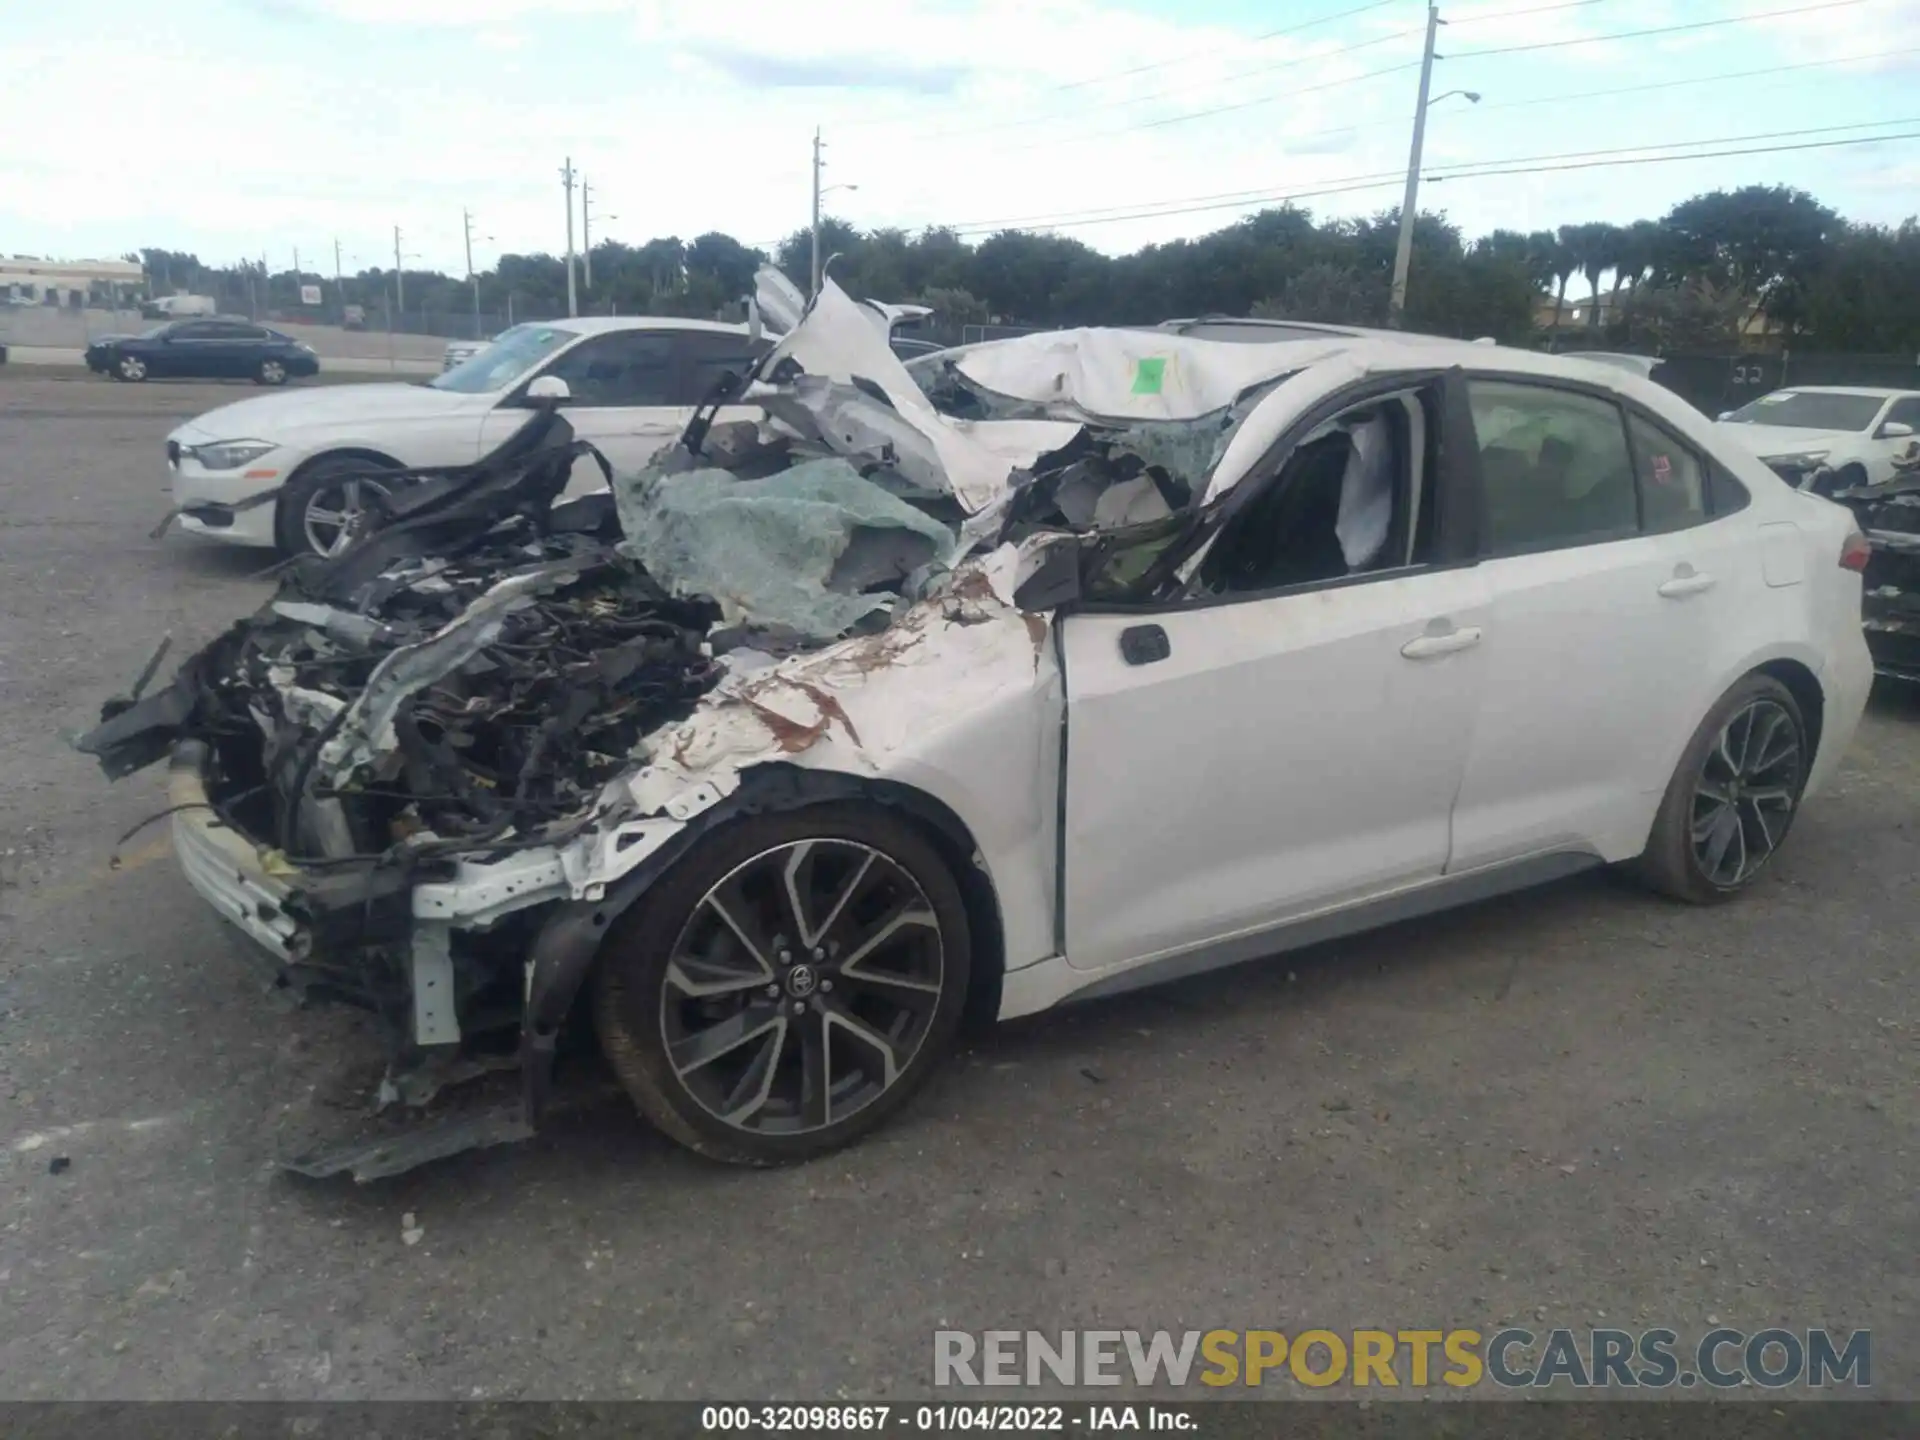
(231,454)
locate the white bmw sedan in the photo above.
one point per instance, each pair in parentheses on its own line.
(292,470)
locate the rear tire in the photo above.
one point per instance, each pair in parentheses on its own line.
(1733,797)
(788,985)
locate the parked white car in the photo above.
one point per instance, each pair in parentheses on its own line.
(1855,432)
(633,383)
(458,352)
(1236,652)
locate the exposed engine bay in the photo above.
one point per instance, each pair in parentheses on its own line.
(430,754)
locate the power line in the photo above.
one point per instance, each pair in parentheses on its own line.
(1509,165)
(1214,110)
(1237,43)
(1024,121)
(1684,144)
(1530,10)
(1702,155)
(1657,30)
(1523,104)
(1234,44)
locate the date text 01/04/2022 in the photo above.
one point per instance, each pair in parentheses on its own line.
(802,1419)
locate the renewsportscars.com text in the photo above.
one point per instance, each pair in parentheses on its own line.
(1509,1358)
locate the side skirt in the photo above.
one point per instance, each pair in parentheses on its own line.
(1054,982)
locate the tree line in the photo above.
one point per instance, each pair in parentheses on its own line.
(1758,261)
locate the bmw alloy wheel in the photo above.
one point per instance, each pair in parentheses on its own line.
(1744,798)
(801,987)
(337,513)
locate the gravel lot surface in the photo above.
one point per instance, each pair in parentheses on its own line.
(1578,1106)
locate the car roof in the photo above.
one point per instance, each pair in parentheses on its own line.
(1876,392)
(602,324)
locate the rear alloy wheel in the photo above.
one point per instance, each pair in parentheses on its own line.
(788,985)
(326,507)
(271,372)
(1734,797)
(130,368)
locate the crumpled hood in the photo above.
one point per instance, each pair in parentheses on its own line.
(1121,377)
(836,340)
(275,417)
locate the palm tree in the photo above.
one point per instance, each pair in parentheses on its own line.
(1567,257)
(1598,247)
(1638,259)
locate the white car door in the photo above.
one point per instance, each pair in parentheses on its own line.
(1261,753)
(624,396)
(1611,601)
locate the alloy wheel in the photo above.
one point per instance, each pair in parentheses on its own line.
(336,513)
(132,367)
(272,372)
(1744,799)
(801,987)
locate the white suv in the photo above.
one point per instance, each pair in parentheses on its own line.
(290,470)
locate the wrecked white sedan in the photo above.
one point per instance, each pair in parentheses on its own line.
(1054,668)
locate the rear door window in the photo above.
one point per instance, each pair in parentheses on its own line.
(1555,470)
(1673,489)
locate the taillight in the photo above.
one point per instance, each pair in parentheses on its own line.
(1855,551)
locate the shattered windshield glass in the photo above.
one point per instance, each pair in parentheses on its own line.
(503,362)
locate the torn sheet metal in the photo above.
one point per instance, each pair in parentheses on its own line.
(810,550)
(1116,377)
(862,704)
(837,341)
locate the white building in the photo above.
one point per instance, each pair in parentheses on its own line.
(64,282)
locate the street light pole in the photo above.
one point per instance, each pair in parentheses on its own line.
(814,270)
(566,182)
(399,275)
(473,278)
(339,285)
(586,234)
(1403,253)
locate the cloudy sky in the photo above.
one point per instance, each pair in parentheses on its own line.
(247,127)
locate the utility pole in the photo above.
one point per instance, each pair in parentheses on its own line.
(1403,253)
(566,180)
(296,272)
(399,276)
(586,234)
(339,285)
(817,163)
(473,278)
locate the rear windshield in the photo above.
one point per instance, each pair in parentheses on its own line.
(1810,410)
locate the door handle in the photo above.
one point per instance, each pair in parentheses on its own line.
(1427,646)
(1682,586)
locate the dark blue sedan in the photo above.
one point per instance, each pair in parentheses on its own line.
(204,350)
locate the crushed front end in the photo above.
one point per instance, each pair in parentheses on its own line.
(1889,514)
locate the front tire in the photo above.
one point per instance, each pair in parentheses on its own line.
(1733,797)
(788,985)
(270,372)
(323,509)
(130,368)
